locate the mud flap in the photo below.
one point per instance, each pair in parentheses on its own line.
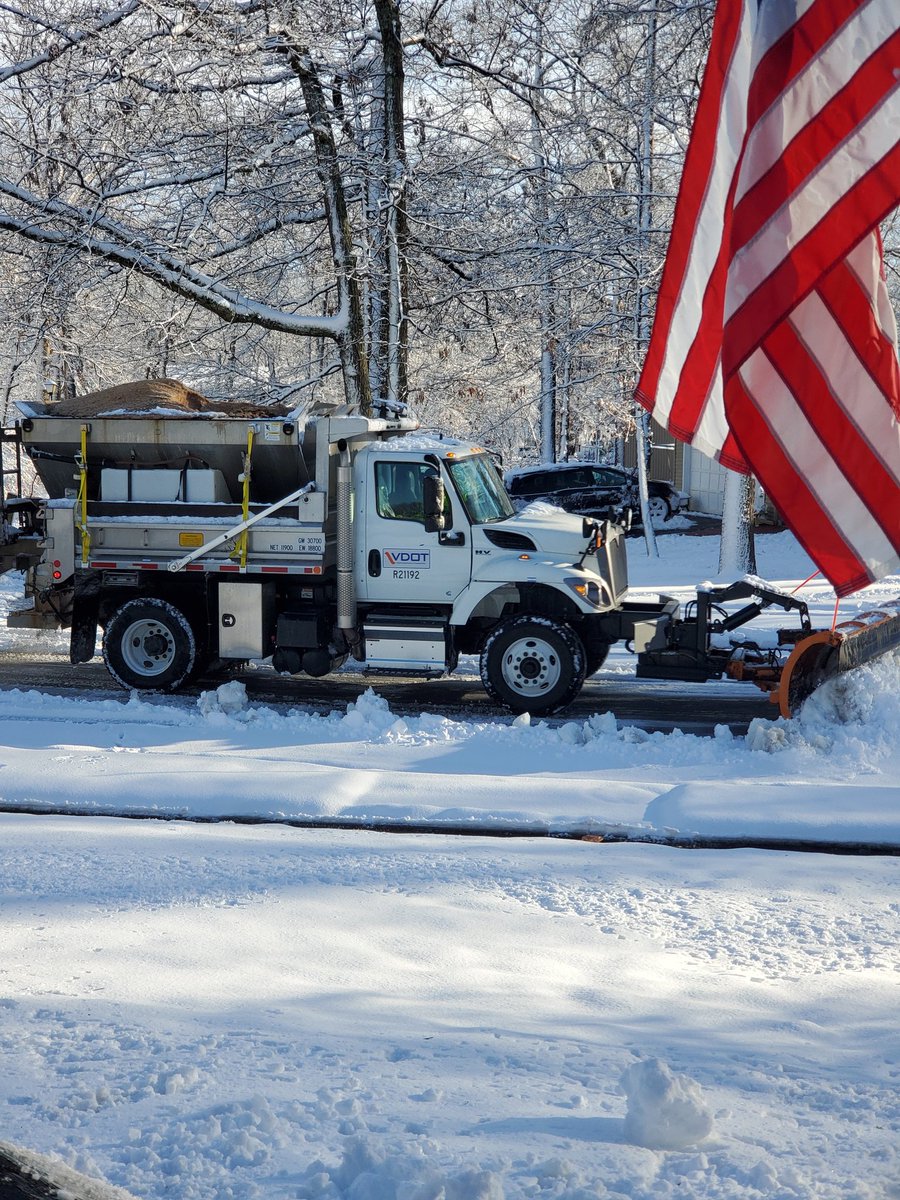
(83,638)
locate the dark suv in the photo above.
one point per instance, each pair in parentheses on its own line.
(593,491)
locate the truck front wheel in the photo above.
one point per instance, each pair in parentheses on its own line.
(149,644)
(533,664)
(595,656)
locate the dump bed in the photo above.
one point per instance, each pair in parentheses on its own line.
(151,485)
(172,440)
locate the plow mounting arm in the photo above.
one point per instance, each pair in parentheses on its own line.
(698,648)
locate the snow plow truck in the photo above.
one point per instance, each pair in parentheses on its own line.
(193,536)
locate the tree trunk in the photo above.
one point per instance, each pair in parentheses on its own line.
(394,305)
(541,190)
(352,338)
(641,433)
(645,213)
(737,548)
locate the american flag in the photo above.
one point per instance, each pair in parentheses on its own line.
(774,344)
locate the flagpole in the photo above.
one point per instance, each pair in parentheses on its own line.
(642,420)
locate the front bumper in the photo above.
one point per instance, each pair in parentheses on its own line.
(643,625)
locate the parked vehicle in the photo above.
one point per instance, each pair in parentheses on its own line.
(593,491)
(197,539)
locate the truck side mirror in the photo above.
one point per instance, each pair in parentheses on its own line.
(434,496)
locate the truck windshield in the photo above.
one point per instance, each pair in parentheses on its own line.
(480,489)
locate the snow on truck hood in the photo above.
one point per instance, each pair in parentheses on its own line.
(549,527)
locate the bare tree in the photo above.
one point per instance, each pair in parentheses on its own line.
(277,200)
(212,201)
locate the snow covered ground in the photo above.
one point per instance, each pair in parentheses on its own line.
(210,1011)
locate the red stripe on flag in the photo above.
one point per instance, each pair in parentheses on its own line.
(695,179)
(828,128)
(840,229)
(701,366)
(789,491)
(841,292)
(862,468)
(732,457)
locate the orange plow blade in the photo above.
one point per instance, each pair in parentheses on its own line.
(828,653)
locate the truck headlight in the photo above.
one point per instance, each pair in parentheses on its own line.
(587,590)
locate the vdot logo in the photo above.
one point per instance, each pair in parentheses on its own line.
(421,559)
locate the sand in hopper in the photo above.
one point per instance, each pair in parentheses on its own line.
(155,395)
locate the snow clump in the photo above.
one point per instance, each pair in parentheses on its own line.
(665,1111)
(230,698)
(370,717)
(369,1173)
(854,717)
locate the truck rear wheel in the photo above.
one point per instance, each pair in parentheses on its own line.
(150,645)
(533,664)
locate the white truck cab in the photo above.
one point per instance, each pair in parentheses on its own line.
(439,544)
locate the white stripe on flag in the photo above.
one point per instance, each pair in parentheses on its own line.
(824,75)
(800,442)
(799,216)
(712,428)
(773,23)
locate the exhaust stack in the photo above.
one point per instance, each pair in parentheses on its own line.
(346,594)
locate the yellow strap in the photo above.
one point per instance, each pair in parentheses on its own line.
(243,540)
(82,499)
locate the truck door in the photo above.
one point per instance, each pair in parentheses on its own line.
(400,561)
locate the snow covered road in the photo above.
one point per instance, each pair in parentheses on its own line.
(832,776)
(232,1012)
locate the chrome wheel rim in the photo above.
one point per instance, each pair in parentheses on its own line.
(531,666)
(148,647)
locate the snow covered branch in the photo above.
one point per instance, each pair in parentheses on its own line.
(227,303)
(66,41)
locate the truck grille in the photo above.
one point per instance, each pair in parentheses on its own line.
(618,566)
(611,563)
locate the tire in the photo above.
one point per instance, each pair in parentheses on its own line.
(658,508)
(595,656)
(533,664)
(149,645)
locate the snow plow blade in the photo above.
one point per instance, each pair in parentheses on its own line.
(827,653)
